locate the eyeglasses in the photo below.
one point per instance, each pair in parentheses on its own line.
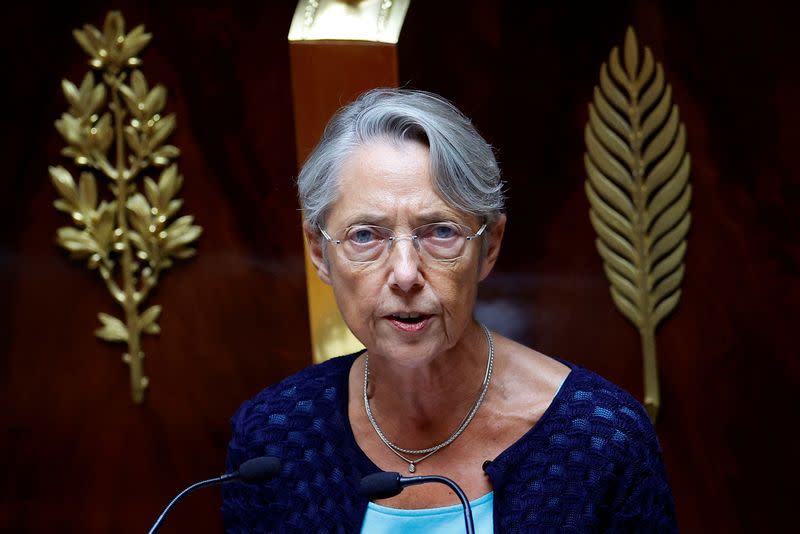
(441,241)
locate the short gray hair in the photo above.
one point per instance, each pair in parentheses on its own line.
(463,166)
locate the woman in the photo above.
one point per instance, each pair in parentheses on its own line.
(403,212)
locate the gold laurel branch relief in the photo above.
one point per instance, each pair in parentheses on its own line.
(639,192)
(115,132)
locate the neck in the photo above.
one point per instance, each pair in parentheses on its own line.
(429,399)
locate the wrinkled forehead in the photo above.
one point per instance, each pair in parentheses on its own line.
(388,183)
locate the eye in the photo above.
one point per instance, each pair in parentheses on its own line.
(363,235)
(441,231)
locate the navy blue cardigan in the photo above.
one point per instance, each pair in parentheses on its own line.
(591,464)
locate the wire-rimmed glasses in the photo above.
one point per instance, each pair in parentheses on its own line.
(440,241)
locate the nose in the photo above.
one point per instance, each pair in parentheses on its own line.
(404,263)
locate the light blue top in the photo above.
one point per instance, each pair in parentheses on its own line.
(444,520)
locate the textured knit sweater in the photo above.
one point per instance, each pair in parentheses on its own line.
(592,463)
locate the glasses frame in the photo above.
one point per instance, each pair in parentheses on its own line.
(413,237)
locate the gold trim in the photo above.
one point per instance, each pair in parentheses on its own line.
(349,20)
(330,336)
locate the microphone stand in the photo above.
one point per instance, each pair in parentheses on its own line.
(413,481)
(255,470)
(196,485)
(383,484)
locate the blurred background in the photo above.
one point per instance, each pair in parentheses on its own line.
(77,455)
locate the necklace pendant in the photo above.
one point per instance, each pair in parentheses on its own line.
(411,468)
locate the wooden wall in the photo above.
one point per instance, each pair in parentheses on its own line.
(77,455)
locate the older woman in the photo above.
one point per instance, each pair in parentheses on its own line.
(403,209)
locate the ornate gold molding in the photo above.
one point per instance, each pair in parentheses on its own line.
(131,238)
(361,20)
(639,192)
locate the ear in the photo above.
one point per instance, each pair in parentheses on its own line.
(314,241)
(495,238)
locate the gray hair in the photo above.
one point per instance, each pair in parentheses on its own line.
(463,167)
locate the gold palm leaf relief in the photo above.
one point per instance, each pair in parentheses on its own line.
(639,192)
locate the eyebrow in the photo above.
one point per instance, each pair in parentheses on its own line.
(373,219)
(423,218)
(438,216)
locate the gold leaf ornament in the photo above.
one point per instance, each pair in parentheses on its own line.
(112,49)
(639,193)
(131,237)
(148,129)
(113,329)
(88,135)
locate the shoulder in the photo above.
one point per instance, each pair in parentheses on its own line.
(302,421)
(596,453)
(311,380)
(526,379)
(596,444)
(293,403)
(592,403)
(600,426)
(618,445)
(586,414)
(566,398)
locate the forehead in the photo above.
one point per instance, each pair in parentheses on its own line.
(387,182)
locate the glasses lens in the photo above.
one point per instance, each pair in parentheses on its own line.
(364,243)
(440,241)
(443,240)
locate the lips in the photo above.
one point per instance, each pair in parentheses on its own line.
(409,321)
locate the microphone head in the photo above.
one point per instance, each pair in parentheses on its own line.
(259,469)
(380,485)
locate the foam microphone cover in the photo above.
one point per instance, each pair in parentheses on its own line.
(381,485)
(259,469)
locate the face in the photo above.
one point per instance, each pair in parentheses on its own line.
(388,184)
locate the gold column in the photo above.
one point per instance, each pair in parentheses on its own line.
(337,49)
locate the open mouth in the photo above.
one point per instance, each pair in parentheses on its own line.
(409,322)
(409,318)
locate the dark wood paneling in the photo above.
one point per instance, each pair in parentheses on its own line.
(78,456)
(524,72)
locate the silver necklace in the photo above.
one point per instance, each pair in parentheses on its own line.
(427,453)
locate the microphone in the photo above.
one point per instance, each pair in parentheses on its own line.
(382,485)
(258,469)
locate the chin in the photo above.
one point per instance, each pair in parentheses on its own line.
(407,349)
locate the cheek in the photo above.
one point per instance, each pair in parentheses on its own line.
(455,286)
(356,291)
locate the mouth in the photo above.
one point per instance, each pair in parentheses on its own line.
(409,322)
